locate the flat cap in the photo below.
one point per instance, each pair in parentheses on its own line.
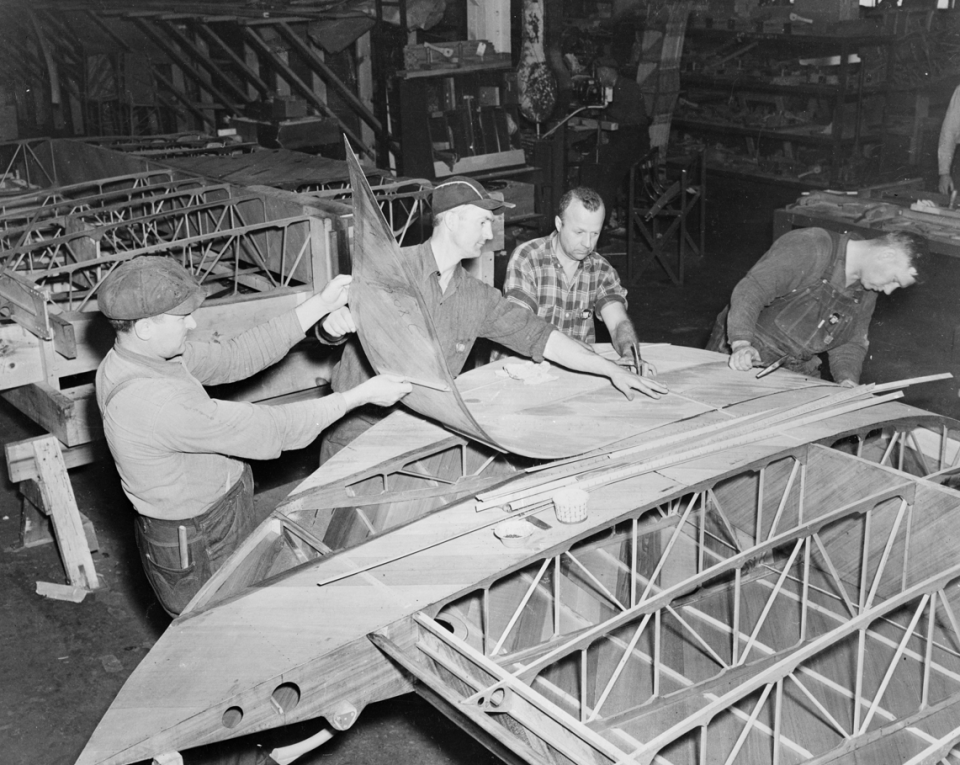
(149,286)
(460,190)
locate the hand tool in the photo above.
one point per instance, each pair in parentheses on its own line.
(644,369)
(445,52)
(771,367)
(184,548)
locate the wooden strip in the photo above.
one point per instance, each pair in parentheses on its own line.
(896,384)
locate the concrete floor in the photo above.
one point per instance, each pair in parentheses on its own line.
(61,664)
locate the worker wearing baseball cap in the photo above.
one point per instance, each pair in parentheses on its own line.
(180,453)
(462,309)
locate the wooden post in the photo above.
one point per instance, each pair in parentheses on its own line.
(60,502)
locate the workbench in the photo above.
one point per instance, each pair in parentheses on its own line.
(941,243)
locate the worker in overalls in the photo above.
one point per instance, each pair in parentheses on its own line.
(813,292)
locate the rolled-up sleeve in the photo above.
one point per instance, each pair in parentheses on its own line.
(610,290)
(520,283)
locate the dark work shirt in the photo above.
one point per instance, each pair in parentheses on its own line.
(794,262)
(467,310)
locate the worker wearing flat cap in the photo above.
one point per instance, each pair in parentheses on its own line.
(627,144)
(180,453)
(462,309)
(813,292)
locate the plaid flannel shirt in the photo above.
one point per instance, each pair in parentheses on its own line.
(535,279)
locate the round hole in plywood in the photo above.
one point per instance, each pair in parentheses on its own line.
(286,696)
(232,717)
(452,623)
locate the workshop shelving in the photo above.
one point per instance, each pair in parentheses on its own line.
(459,120)
(738,84)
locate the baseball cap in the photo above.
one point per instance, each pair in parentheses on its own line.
(149,285)
(461,190)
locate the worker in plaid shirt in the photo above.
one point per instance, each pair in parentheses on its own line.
(563,280)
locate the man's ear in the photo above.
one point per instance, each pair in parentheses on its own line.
(452,219)
(558,222)
(143,328)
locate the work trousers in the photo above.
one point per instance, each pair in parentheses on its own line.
(211,538)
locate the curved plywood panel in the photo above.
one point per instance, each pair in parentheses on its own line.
(396,333)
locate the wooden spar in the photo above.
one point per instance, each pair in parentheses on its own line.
(896,384)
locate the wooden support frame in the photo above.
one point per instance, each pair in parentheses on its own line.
(59,502)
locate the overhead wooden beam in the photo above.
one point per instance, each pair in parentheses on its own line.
(238,63)
(188,47)
(102,25)
(175,56)
(275,63)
